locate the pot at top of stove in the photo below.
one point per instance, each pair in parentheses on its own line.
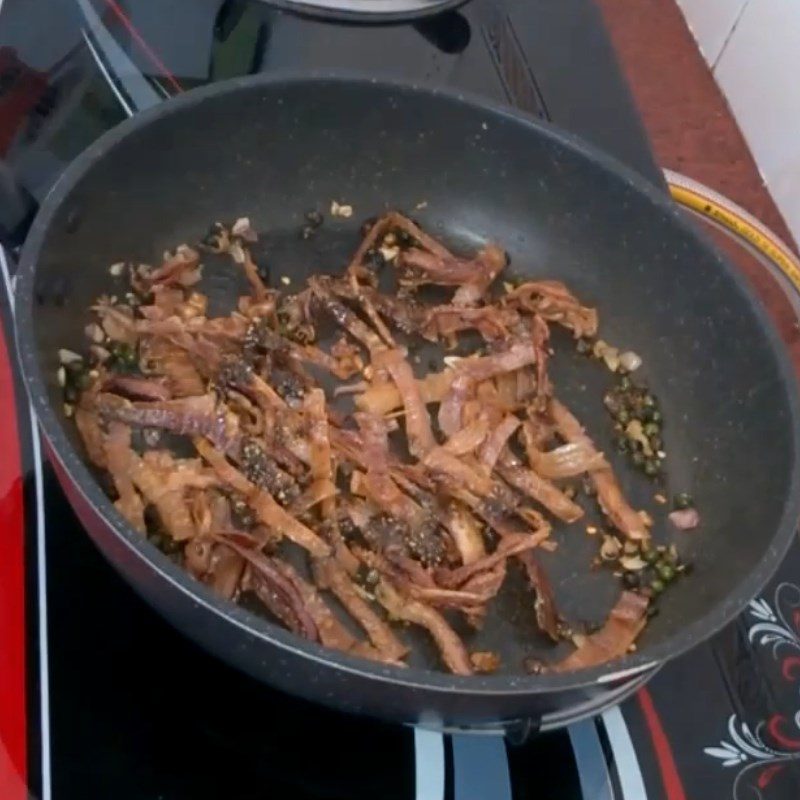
(367,10)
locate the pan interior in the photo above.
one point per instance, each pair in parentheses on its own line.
(272,152)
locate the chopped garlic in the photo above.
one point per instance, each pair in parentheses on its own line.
(240,226)
(608,353)
(68,357)
(611,357)
(339,210)
(610,549)
(117,269)
(630,361)
(237,253)
(634,431)
(632,563)
(389,253)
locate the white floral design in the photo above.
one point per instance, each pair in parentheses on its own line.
(760,608)
(745,748)
(773,629)
(744,745)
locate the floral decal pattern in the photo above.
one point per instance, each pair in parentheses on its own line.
(761,753)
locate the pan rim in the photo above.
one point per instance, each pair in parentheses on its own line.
(379,12)
(702,628)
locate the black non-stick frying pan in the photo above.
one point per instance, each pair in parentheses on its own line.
(272,148)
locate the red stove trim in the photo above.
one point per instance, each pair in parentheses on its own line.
(673,787)
(148,51)
(13,724)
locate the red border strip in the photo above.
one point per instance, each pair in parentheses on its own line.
(13,725)
(148,51)
(666,761)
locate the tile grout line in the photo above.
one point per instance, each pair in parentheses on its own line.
(730,35)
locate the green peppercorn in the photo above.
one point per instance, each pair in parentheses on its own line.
(123,356)
(665,572)
(648,401)
(623,444)
(619,428)
(683,500)
(651,429)
(651,556)
(638,458)
(656,586)
(625,383)
(652,466)
(623,416)
(656,415)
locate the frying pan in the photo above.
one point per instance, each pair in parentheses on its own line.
(272,148)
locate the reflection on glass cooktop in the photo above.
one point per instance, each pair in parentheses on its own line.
(99,61)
